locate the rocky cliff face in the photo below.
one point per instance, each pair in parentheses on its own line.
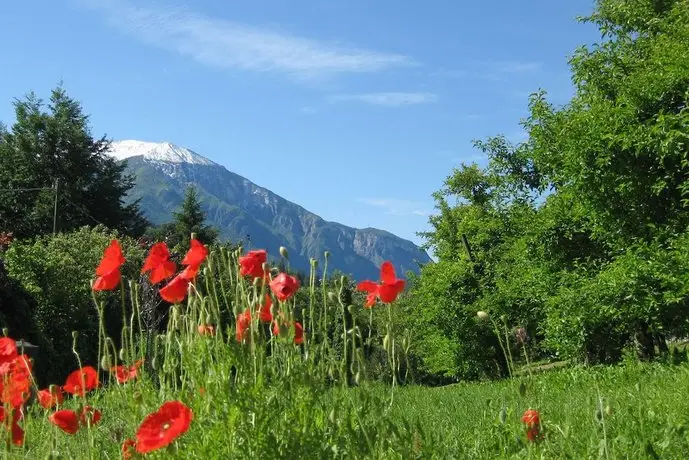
(242,210)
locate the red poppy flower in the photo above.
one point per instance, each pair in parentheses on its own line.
(298,333)
(252,264)
(89,415)
(282,327)
(8,351)
(264,313)
(284,286)
(128,448)
(388,289)
(15,386)
(108,271)
(190,272)
(196,254)
(66,420)
(49,397)
(11,422)
(81,380)
(532,420)
(243,325)
(162,427)
(159,264)
(176,290)
(207,329)
(123,374)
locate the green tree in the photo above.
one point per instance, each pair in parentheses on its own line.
(44,147)
(190,218)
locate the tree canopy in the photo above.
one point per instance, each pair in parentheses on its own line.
(53,144)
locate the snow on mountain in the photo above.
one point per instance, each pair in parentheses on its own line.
(159,152)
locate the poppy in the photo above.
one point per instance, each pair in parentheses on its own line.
(387,290)
(264,313)
(89,416)
(66,420)
(123,374)
(284,286)
(127,447)
(8,351)
(108,271)
(15,386)
(243,324)
(176,290)
(206,329)
(196,254)
(281,327)
(81,380)
(162,427)
(159,264)
(532,420)
(11,422)
(50,397)
(252,264)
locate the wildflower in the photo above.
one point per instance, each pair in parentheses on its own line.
(252,264)
(50,397)
(196,255)
(158,263)
(89,416)
(284,286)
(66,420)
(123,374)
(264,313)
(108,271)
(15,385)
(243,324)
(11,422)
(176,290)
(388,289)
(532,420)
(8,352)
(127,447)
(162,427)
(207,329)
(279,327)
(81,380)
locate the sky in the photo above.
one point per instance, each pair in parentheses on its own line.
(356,110)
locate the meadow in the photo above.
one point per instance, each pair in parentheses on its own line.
(268,383)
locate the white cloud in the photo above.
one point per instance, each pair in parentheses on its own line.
(230,45)
(397,207)
(390,99)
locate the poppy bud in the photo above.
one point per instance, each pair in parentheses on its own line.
(386,342)
(357,376)
(503,318)
(265,267)
(482,315)
(154,363)
(331,416)
(314,262)
(283,252)
(105,363)
(122,354)
(5,331)
(326,254)
(75,334)
(137,397)
(351,309)
(332,296)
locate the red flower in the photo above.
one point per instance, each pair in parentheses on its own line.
(158,263)
(49,397)
(66,420)
(388,289)
(264,313)
(108,271)
(176,290)
(8,351)
(252,264)
(196,255)
(127,447)
(284,286)
(532,420)
(162,427)
(123,374)
(207,329)
(243,324)
(11,422)
(15,386)
(89,416)
(298,333)
(81,380)
(298,330)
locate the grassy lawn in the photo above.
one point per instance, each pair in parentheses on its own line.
(645,414)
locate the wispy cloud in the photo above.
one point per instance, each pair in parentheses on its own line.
(491,70)
(390,99)
(397,207)
(229,45)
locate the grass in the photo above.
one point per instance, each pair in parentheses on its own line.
(269,396)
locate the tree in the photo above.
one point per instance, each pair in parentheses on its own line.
(190,219)
(43,148)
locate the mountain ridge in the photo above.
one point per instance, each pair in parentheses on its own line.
(239,208)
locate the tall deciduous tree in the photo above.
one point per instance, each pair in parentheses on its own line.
(43,147)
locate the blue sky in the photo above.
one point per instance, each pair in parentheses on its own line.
(355,109)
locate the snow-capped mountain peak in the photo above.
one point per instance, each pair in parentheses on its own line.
(158,152)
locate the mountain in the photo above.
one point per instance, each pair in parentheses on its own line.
(240,208)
